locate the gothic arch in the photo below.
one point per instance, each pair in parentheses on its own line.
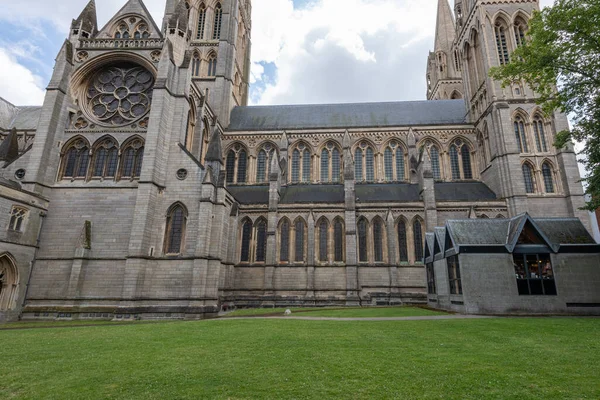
(105,157)
(9,282)
(520,13)
(75,158)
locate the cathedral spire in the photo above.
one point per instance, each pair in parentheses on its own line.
(87,20)
(444,32)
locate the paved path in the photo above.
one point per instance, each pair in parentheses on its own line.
(421,318)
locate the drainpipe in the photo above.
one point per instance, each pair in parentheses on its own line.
(32,262)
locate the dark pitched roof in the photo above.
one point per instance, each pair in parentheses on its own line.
(412,113)
(26,118)
(312,194)
(463,191)
(564,230)
(478,231)
(386,193)
(250,194)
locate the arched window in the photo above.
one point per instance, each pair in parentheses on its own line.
(196,62)
(131,159)
(456,95)
(141,31)
(540,136)
(236,164)
(528,177)
(481,150)
(418,237)
(175,232)
(457,65)
(402,241)
(299,233)
(323,240)
(190,132)
(393,160)
(212,65)
(547,172)
(520,30)
(330,163)
(301,161)
(106,157)
(201,22)
(460,160)
(364,163)
(338,240)
(122,31)
(218,21)
(76,158)
(261,241)
(362,241)
(478,58)
(284,244)
(263,166)
(378,236)
(246,238)
(17,216)
(501,43)
(519,126)
(434,155)
(9,283)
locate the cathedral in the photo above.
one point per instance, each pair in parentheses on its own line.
(145,187)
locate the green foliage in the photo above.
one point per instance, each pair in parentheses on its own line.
(564,47)
(503,358)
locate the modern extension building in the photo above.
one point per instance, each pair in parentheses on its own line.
(145,187)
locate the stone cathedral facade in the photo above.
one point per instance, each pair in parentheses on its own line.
(145,187)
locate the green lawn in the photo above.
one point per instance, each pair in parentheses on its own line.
(366,312)
(504,358)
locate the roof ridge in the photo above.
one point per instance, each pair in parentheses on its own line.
(354,103)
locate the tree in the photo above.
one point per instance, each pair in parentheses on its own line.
(560,61)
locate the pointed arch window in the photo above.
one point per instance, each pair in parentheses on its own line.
(547,173)
(122,31)
(105,159)
(418,238)
(501,43)
(301,162)
(540,135)
(131,159)
(338,240)
(17,216)
(402,241)
(299,231)
(362,241)
(393,160)
(236,164)
(212,65)
(246,239)
(261,241)
(201,22)
(141,32)
(364,163)
(196,62)
(434,155)
(76,159)
(481,150)
(263,166)
(330,163)
(519,127)
(284,245)
(323,240)
(460,160)
(218,21)
(378,235)
(520,30)
(528,178)
(175,230)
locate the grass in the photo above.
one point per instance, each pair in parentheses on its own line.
(366,312)
(504,358)
(59,324)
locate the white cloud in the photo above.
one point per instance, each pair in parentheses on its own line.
(18,84)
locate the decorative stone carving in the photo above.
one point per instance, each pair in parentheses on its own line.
(81,123)
(155,55)
(82,56)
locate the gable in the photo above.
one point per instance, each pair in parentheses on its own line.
(132,18)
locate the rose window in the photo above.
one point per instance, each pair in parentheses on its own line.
(120,95)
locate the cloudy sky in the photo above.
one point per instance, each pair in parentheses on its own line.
(303,51)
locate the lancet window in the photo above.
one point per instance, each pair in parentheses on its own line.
(460,160)
(263,164)
(301,164)
(236,164)
(175,229)
(393,159)
(364,163)
(330,163)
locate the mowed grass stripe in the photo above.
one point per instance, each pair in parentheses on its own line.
(505,358)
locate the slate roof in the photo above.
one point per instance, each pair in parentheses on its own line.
(312,194)
(478,231)
(564,230)
(386,193)
(7,113)
(250,194)
(463,191)
(27,118)
(358,115)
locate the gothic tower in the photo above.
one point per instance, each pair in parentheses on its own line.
(514,139)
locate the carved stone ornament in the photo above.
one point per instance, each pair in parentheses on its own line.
(155,55)
(81,123)
(119,95)
(82,56)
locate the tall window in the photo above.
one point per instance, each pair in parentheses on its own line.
(534,274)
(481,149)
(261,241)
(299,240)
(431,279)
(301,161)
(263,167)
(418,238)
(501,44)
(176,220)
(201,22)
(519,126)
(393,160)
(520,29)
(454,275)
(131,159)
(196,65)
(547,173)
(284,245)
(540,137)
(402,241)
(457,65)
(218,21)
(76,159)
(528,178)
(246,239)
(17,216)
(323,240)
(434,155)
(338,241)
(105,159)
(364,163)
(362,241)
(212,65)
(236,164)
(330,163)
(378,236)
(460,160)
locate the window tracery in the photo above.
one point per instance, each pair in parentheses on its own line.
(402,241)
(323,240)
(418,240)
(378,240)
(246,238)
(528,178)
(218,21)
(284,241)
(201,22)
(196,63)
(362,241)
(76,159)
(175,229)
(105,159)
(548,175)
(301,164)
(212,64)
(364,163)
(540,135)
(338,240)
(434,155)
(236,164)
(501,43)
(520,30)
(261,241)
(520,136)
(132,157)
(460,160)
(263,166)
(330,163)
(394,162)
(17,217)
